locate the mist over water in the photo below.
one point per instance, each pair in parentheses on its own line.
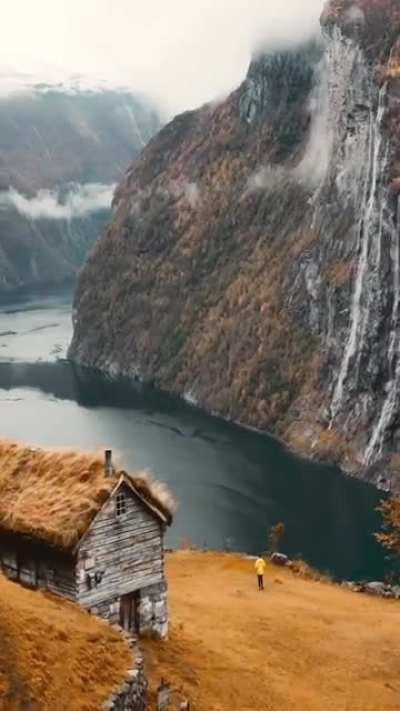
(232,484)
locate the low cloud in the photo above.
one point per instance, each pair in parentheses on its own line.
(313,167)
(355,15)
(315,163)
(203,47)
(176,190)
(265,178)
(192,194)
(80,201)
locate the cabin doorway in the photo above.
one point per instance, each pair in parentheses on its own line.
(129,612)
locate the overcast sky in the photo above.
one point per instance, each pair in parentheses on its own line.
(181,52)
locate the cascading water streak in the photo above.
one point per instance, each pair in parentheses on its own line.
(370,219)
(375,445)
(135,126)
(396,284)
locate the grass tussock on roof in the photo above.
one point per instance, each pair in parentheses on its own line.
(55,656)
(54,495)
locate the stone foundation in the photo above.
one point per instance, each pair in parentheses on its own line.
(108,610)
(132,696)
(153,610)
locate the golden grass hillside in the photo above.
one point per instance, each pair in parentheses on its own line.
(302,645)
(55,494)
(54,656)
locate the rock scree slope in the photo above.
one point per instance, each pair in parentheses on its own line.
(253,262)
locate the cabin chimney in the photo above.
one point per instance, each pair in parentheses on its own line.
(108,462)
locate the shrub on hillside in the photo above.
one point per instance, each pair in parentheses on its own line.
(275,537)
(389,537)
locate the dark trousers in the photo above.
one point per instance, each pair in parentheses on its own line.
(260,582)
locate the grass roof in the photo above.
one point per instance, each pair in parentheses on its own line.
(53,495)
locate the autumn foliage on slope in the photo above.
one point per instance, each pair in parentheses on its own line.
(390,535)
(228,271)
(189,271)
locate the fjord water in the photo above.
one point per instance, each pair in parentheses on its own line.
(232,484)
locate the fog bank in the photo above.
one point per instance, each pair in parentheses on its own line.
(181,53)
(80,201)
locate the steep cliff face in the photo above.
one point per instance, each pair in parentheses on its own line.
(61,153)
(253,263)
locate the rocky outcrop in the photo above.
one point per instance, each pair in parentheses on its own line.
(253,260)
(61,153)
(378,589)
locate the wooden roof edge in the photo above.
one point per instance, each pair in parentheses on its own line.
(157,511)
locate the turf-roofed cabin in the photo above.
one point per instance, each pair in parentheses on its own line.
(71,524)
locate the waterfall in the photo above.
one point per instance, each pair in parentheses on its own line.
(370,226)
(375,445)
(396,284)
(135,126)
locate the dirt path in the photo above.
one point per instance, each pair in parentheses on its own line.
(300,646)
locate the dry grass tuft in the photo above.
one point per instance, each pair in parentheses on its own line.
(55,656)
(156,492)
(55,494)
(305,571)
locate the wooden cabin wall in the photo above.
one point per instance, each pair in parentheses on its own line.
(120,554)
(37,565)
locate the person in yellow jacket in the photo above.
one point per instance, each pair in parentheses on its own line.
(260,566)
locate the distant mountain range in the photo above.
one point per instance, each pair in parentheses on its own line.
(62,150)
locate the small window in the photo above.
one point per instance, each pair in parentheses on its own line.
(121,504)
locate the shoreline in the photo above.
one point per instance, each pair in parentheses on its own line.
(192,402)
(263,467)
(46,291)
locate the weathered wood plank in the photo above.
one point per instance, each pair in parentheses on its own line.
(111,552)
(127,550)
(142,557)
(122,566)
(130,538)
(100,596)
(114,532)
(116,575)
(37,565)
(130,519)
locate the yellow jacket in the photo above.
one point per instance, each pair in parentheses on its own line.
(260,566)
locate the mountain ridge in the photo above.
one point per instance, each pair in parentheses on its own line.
(258,255)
